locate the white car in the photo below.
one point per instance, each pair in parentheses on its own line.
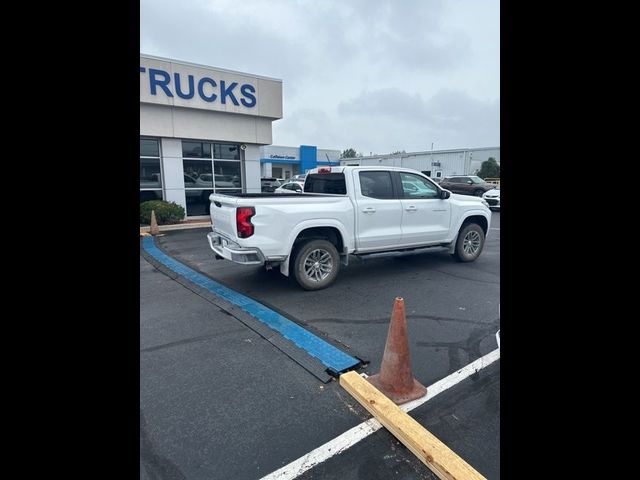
(492,197)
(290,186)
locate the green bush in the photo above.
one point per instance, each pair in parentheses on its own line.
(166,212)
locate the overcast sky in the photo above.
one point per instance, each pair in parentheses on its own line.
(373,75)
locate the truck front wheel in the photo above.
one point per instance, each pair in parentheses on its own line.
(316,264)
(469,243)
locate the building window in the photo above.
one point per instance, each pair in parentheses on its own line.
(196,149)
(209,167)
(149,147)
(198,173)
(227,175)
(226,151)
(150,171)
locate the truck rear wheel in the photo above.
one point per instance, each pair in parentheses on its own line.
(469,243)
(316,264)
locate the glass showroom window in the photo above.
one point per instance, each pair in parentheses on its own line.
(227,168)
(227,151)
(198,176)
(209,167)
(196,149)
(227,176)
(150,174)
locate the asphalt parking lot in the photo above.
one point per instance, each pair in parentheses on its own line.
(219,401)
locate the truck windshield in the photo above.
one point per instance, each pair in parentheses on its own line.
(332,183)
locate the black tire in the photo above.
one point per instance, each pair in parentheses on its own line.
(316,249)
(478,193)
(474,235)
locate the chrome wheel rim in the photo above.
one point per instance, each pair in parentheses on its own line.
(318,265)
(471,243)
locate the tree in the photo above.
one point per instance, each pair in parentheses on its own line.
(348,153)
(489,169)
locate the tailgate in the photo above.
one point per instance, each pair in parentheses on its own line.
(223,214)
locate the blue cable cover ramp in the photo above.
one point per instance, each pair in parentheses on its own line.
(331,357)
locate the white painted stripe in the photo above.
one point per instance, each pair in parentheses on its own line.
(494,229)
(362,431)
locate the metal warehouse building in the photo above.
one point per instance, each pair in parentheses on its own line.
(436,163)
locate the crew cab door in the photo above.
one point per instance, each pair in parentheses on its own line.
(425,216)
(378,210)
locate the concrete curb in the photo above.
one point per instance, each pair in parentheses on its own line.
(179,226)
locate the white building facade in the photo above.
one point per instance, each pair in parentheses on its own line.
(201,129)
(435,164)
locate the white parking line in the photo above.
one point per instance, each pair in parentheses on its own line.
(360,432)
(494,229)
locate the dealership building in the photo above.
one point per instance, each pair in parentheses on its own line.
(285,162)
(435,163)
(206,129)
(201,129)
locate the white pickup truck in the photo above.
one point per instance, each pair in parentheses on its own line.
(343,211)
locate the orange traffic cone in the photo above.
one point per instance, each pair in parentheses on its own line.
(395,379)
(154,230)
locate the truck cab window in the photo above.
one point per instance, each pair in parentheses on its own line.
(376,185)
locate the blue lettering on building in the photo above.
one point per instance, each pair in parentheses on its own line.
(207,88)
(247,92)
(155,82)
(228,92)
(190,93)
(210,81)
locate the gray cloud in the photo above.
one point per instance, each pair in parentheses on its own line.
(375,75)
(447,109)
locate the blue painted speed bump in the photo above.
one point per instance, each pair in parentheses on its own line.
(334,359)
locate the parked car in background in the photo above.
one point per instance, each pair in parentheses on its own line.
(269,184)
(492,197)
(466,185)
(291,186)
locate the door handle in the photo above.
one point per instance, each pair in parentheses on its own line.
(411,208)
(369,210)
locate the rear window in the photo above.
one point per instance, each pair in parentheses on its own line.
(332,183)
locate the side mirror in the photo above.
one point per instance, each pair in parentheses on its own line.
(444,194)
(469,182)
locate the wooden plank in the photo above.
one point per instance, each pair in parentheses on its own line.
(442,461)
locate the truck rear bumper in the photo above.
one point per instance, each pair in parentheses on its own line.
(229,250)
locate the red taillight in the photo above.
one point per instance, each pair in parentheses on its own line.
(243,221)
(324,170)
